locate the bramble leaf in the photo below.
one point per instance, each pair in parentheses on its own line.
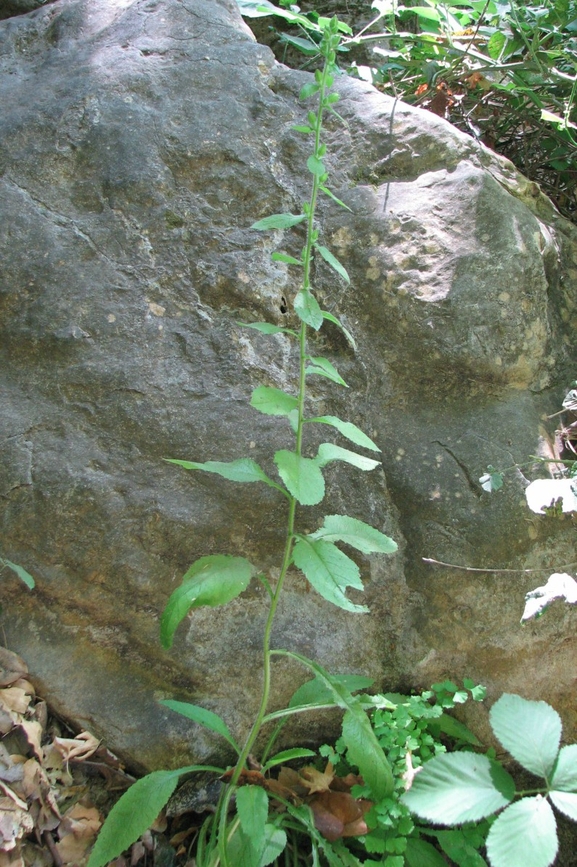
(564,782)
(323,367)
(329,452)
(273,401)
(307,309)
(213,580)
(363,537)
(348,430)
(241,470)
(529,730)
(524,835)
(203,717)
(333,262)
(454,788)
(278,221)
(302,477)
(329,571)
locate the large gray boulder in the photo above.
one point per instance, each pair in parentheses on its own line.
(138,142)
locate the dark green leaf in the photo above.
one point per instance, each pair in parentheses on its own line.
(316,692)
(278,221)
(457,730)
(329,571)
(357,534)
(457,847)
(302,477)
(252,809)
(348,430)
(273,401)
(419,853)
(203,717)
(333,262)
(364,750)
(213,580)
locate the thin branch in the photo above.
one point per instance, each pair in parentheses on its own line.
(477,569)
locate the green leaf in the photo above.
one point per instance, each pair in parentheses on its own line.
(203,717)
(329,452)
(348,430)
(307,309)
(329,571)
(420,853)
(459,850)
(20,571)
(305,46)
(284,257)
(135,812)
(302,477)
(252,809)
(287,756)
(529,730)
(274,844)
(213,580)
(267,328)
(564,782)
(273,401)
(241,470)
(330,318)
(492,480)
(364,751)
(524,835)
(316,692)
(316,167)
(323,367)
(309,90)
(307,130)
(278,221)
(363,537)
(454,788)
(332,196)
(333,262)
(456,730)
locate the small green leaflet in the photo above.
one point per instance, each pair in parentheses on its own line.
(309,90)
(302,128)
(241,470)
(316,167)
(284,257)
(492,480)
(322,367)
(203,717)
(348,430)
(20,571)
(329,571)
(330,318)
(333,262)
(357,534)
(278,221)
(273,401)
(329,452)
(302,477)
(213,580)
(267,328)
(307,309)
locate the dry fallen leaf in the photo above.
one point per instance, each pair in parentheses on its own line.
(77,832)
(81,747)
(15,823)
(317,781)
(12,667)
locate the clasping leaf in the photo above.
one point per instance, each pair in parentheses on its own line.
(273,401)
(302,477)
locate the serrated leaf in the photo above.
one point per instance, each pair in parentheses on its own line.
(330,318)
(274,844)
(333,262)
(135,812)
(252,809)
(307,309)
(323,367)
(213,580)
(357,534)
(330,452)
(302,477)
(348,430)
(267,328)
(273,401)
(316,692)
(287,756)
(524,835)
(529,730)
(564,782)
(316,167)
(242,470)
(364,750)
(284,257)
(278,221)
(454,788)
(20,571)
(329,571)
(203,717)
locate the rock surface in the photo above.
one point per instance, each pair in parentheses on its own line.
(139,139)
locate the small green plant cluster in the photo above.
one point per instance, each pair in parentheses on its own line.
(464,787)
(502,71)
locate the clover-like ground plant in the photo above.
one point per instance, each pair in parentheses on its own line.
(243,829)
(457,788)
